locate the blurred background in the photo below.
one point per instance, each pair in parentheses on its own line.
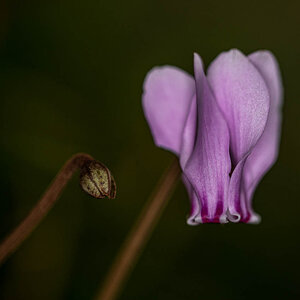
(71,75)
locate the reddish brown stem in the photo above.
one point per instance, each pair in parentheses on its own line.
(139,235)
(15,239)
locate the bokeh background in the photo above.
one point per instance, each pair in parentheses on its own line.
(71,75)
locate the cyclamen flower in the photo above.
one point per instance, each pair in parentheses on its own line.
(223,126)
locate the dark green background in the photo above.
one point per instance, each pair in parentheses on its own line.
(71,75)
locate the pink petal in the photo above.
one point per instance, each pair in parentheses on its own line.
(189,133)
(168,92)
(187,147)
(208,167)
(243,97)
(265,152)
(195,203)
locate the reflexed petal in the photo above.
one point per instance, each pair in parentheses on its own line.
(243,97)
(237,211)
(187,147)
(168,92)
(209,165)
(195,203)
(189,134)
(265,151)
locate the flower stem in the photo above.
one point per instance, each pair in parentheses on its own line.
(139,235)
(15,239)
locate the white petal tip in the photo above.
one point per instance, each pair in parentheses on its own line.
(233,217)
(254,219)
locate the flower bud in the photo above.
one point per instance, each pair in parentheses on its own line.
(97,181)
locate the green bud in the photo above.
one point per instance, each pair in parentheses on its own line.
(97,181)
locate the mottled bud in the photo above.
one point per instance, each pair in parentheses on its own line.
(97,181)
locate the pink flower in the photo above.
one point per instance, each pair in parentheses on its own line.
(223,126)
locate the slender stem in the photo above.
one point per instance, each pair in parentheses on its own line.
(139,235)
(15,239)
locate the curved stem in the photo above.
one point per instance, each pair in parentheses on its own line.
(15,239)
(139,235)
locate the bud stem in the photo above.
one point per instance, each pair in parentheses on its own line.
(15,239)
(139,235)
